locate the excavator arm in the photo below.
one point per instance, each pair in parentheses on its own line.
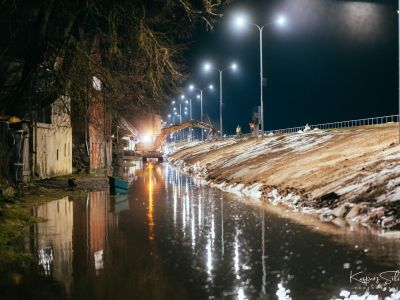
(191,123)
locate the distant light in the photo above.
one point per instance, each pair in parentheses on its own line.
(182,96)
(234,66)
(211,87)
(185,112)
(207,66)
(281,20)
(175,113)
(174,108)
(191,87)
(147,139)
(240,21)
(173,102)
(169,116)
(186,102)
(198,96)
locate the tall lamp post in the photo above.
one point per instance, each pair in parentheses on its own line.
(241,22)
(192,87)
(208,67)
(171,116)
(180,112)
(190,107)
(189,113)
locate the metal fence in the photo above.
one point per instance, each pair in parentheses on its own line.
(341,124)
(333,125)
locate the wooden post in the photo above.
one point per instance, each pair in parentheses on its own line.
(26,170)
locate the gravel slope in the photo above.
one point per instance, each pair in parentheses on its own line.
(343,176)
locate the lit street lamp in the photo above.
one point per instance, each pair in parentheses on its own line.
(208,67)
(192,87)
(190,116)
(172,116)
(180,110)
(240,22)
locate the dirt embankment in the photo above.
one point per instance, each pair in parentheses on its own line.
(344,176)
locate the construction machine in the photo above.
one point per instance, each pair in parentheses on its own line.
(152,147)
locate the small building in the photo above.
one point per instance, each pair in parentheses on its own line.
(51,140)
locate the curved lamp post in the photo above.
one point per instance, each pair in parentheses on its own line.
(240,22)
(209,67)
(192,88)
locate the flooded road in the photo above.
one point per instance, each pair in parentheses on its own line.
(172,238)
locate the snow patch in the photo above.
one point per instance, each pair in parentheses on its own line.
(276,198)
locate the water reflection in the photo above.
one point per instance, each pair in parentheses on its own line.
(121,203)
(172,238)
(150,212)
(54,240)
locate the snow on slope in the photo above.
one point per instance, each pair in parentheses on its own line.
(351,173)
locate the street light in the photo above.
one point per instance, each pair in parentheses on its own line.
(281,20)
(192,88)
(189,102)
(241,21)
(208,67)
(180,110)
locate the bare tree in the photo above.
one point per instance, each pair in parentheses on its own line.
(47,49)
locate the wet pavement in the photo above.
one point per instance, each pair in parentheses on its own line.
(173,238)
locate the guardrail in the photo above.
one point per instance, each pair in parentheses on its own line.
(325,126)
(333,125)
(341,124)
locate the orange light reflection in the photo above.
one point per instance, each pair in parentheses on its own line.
(150,209)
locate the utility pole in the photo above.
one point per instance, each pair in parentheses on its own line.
(262,85)
(220,102)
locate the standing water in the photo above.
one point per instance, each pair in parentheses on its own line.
(172,238)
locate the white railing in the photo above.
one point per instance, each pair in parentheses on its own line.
(341,124)
(333,125)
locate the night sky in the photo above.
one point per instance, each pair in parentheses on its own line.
(333,60)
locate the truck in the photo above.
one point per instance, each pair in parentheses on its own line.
(149,126)
(152,141)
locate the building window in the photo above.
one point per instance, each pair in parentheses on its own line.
(57,154)
(65,150)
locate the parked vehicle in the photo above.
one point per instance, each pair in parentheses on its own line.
(151,146)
